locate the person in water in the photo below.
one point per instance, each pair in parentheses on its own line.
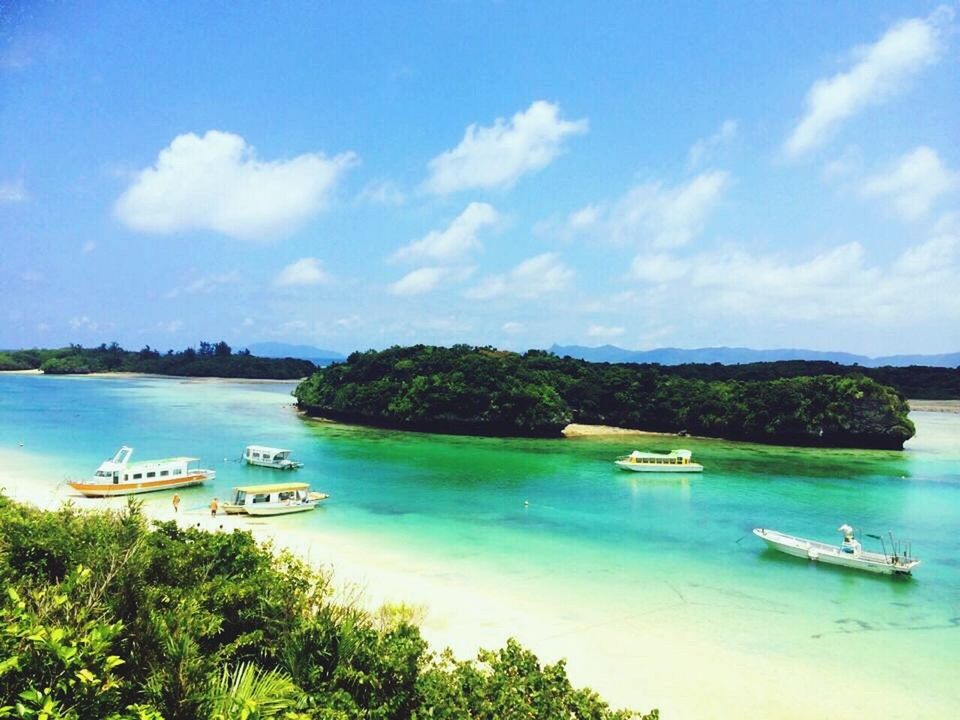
(176,503)
(214,505)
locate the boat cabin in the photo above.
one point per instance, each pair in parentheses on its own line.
(120,476)
(676,457)
(278,458)
(273,499)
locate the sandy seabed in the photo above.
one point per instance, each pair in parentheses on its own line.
(662,652)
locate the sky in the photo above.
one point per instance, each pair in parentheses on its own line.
(517,174)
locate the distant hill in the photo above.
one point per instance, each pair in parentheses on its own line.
(738,355)
(301,352)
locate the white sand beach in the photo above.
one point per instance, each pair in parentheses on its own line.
(665,652)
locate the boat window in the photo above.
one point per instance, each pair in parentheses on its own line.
(116,479)
(261,498)
(137,476)
(126,477)
(164,473)
(286,496)
(256,455)
(151,474)
(177,471)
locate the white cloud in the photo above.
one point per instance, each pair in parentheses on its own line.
(215,182)
(604,332)
(170,327)
(497,156)
(657,268)
(703,147)
(456,241)
(652,214)
(913,183)
(881,71)
(512,327)
(834,288)
(305,271)
(419,281)
(204,285)
(382,192)
(536,276)
(88,247)
(12,191)
(83,322)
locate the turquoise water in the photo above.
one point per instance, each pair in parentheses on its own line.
(591,539)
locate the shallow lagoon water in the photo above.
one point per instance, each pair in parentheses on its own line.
(593,546)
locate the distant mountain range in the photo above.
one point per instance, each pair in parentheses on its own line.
(737,356)
(316,355)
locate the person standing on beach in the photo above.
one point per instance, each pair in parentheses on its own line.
(213,507)
(176,503)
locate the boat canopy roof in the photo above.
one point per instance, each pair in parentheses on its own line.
(265,449)
(275,487)
(674,453)
(123,457)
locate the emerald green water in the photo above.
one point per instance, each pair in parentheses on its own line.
(553,525)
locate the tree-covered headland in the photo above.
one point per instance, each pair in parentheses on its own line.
(466,389)
(102,617)
(209,360)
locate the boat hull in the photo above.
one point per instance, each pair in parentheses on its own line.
(264,510)
(653,468)
(135,488)
(289,465)
(831,555)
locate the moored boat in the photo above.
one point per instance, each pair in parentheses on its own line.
(675,461)
(120,476)
(276,458)
(848,554)
(273,499)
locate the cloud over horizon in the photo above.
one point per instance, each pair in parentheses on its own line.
(880,72)
(305,271)
(498,155)
(216,182)
(536,276)
(454,243)
(913,183)
(652,213)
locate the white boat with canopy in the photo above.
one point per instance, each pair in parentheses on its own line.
(274,499)
(675,461)
(276,458)
(848,554)
(120,476)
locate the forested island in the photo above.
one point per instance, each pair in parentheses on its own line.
(481,390)
(919,382)
(209,360)
(105,617)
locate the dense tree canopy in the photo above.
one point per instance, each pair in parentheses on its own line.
(482,390)
(104,618)
(210,360)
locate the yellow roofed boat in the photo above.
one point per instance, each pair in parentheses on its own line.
(273,499)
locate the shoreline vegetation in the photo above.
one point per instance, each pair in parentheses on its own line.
(209,360)
(109,614)
(484,391)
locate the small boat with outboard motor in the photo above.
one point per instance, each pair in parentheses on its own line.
(899,561)
(273,499)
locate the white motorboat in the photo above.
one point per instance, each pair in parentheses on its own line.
(276,458)
(677,461)
(848,554)
(275,499)
(120,476)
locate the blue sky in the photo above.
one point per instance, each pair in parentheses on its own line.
(355,175)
